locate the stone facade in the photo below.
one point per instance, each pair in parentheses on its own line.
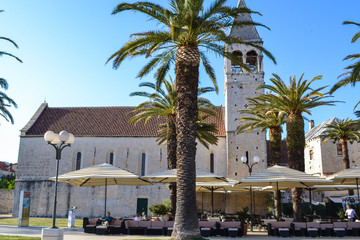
(6,201)
(239,86)
(33,174)
(323,158)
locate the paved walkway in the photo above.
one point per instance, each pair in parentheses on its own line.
(78,234)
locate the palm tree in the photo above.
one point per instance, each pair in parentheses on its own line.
(6,102)
(357,113)
(351,76)
(162,103)
(260,116)
(294,100)
(343,131)
(12,42)
(186,31)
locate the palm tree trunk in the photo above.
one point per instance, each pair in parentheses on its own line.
(346,159)
(295,141)
(345,150)
(275,158)
(275,146)
(171,158)
(187,78)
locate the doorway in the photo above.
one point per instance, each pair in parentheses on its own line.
(142,205)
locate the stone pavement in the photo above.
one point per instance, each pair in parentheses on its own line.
(78,234)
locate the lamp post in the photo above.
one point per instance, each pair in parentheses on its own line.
(59,142)
(245,161)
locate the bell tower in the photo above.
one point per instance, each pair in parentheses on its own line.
(240,85)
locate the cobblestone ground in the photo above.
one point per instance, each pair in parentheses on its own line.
(78,234)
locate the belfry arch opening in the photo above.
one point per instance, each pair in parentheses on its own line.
(235,67)
(251,60)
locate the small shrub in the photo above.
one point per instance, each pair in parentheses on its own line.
(160,209)
(243,216)
(341,214)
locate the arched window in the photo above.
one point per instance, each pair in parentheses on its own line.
(235,67)
(78,161)
(143,156)
(212,165)
(251,60)
(111,158)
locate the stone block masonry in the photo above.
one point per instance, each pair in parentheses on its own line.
(6,201)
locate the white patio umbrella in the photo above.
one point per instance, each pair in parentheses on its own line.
(101,175)
(282,177)
(170,176)
(348,176)
(218,187)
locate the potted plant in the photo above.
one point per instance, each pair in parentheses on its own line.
(244,217)
(160,209)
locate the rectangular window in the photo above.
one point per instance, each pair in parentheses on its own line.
(143,164)
(212,163)
(339,149)
(111,158)
(311,153)
(78,161)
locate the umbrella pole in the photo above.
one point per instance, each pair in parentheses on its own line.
(251,214)
(277,212)
(357,189)
(212,201)
(202,202)
(310,202)
(105,195)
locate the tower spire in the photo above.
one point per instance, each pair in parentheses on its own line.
(247,32)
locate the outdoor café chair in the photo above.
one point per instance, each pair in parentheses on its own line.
(90,226)
(353,228)
(115,227)
(326,229)
(340,229)
(231,229)
(279,229)
(313,229)
(207,228)
(157,227)
(168,228)
(132,226)
(299,229)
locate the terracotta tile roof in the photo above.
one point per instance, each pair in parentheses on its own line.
(101,121)
(5,167)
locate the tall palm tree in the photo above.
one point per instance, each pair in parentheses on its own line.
(260,116)
(351,76)
(186,31)
(162,103)
(343,131)
(6,102)
(2,53)
(294,100)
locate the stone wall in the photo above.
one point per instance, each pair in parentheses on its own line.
(325,157)
(233,202)
(36,164)
(6,201)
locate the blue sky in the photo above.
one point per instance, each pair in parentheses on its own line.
(64,46)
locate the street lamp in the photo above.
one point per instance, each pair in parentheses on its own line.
(59,142)
(245,161)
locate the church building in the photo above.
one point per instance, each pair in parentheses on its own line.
(104,134)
